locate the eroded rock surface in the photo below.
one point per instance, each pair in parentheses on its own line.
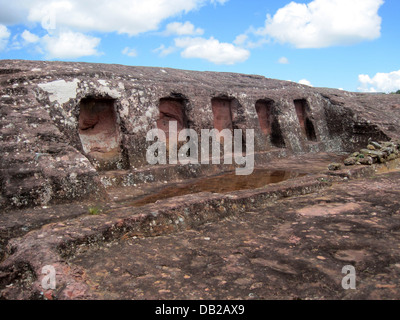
(289,249)
(48,154)
(75,182)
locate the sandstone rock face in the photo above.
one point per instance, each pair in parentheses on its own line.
(64,123)
(171,110)
(98,131)
(269,124)
(304,114)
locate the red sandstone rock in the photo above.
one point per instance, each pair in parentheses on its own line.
(65,128)
(52,146)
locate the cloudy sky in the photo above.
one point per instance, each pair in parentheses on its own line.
(348,44)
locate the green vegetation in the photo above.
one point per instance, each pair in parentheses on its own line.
(94,211)
(397,92)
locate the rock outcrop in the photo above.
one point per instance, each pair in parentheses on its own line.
(64,123)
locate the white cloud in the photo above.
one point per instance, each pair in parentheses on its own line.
(211,50)
(129,52)
(244,41)
(305,82)
(324,23)
(69,21)
(4,36)
(14,44)
(381,82)
(283,60)
(131,17)
(183,29)
(70,45)
(241,39)
(13,11)
(163,51)
(29,37)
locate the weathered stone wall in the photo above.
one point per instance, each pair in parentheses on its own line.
(43,154)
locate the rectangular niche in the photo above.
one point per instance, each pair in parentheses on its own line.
(171,109)
(222,111)
(99,132)
(269,123)
(303,114)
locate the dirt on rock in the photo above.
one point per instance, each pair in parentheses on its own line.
(290,249)
(292,246)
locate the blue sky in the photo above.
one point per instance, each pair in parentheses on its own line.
(348,44)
